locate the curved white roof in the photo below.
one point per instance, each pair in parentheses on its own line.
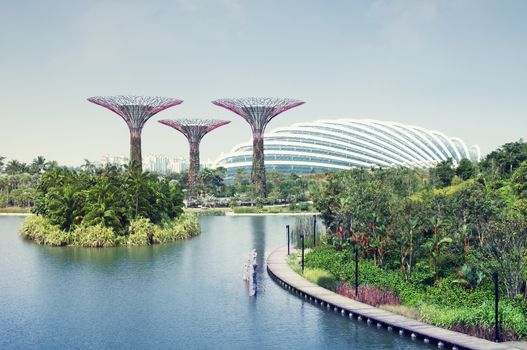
(338,144)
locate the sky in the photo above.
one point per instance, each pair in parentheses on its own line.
(459,67)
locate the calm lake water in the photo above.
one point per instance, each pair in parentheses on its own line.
(187,295)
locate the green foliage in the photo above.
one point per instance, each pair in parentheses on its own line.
(304,225)
(442,303)
(443,173)
(466,169)
(519,181)
(140,232)
(186,226)
(111,198)
(37,228)
(322,278)
(502,162)
(97,236)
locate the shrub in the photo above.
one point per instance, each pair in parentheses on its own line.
(184,227)
(142,232)
(40,230)
(369,294)
(93,236)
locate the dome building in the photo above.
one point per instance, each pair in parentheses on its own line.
(340,144)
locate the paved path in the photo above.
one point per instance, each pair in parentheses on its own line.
(279,269)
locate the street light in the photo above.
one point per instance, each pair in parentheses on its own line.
(314,230)
(302,238)
(356,269)
(288,239)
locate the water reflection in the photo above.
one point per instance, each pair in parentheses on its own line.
(186,295)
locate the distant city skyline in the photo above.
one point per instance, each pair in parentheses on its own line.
(160,163)
(453,66)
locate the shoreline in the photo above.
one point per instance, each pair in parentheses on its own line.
(16,214)
(281,272)
(271,214)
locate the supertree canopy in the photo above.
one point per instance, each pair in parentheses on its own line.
(194,130)
(135,111)
(258,111)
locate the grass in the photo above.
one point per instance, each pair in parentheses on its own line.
(403,310)
(207,211)
(300,208)
(15,210)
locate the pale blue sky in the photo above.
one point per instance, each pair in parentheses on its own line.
(459,67)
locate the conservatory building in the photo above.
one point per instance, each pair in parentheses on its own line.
(340,144)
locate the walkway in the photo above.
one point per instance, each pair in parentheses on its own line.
(279,269)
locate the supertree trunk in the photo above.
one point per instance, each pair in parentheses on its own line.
(193,168)
(135,111)
(258,168)
(258,112)
(135,149)
(194,130)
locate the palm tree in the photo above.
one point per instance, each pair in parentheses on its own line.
(88,167)
(15,167)
(2,163)
(38,165)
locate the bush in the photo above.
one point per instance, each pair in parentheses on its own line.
(369,294)
(38,228)
(140,232)
(443,303)
(186,226)
(96,236)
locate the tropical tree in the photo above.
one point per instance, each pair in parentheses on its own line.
(38,165)
(443,173)
(15,167)
(465,169)
(519,181)
(504,252)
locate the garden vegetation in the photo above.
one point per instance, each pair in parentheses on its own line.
(108,207)
(429,241)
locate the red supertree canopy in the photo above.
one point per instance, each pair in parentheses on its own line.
(258,111)
(135,110)
(194,129)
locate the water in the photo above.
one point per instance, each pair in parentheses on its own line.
(187,295)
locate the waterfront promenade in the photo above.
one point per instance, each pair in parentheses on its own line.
(280,270)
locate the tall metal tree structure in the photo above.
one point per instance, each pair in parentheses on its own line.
(194,130)
(258,111)
(135,111)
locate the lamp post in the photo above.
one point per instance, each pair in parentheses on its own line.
(302,238)
(288,239)
(356,269)
(314,230)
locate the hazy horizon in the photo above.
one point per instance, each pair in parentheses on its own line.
(453,66)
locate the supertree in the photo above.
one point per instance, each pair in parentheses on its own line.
(258,111)
(194,130)
(135,111)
